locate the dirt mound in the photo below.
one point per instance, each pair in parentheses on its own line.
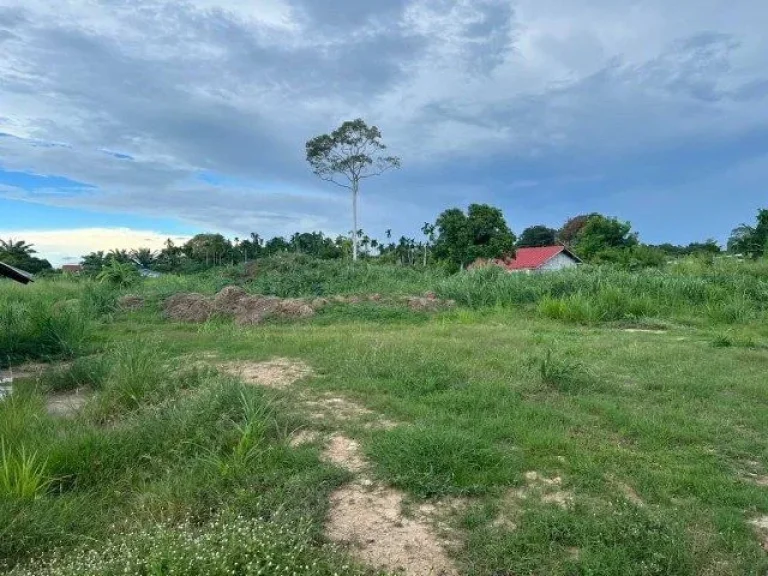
(429,302)
(188,308)
(277,373)
(234,302)
(228,300)
(130,302)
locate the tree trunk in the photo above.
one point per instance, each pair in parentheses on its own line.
(425,256)
(354,221)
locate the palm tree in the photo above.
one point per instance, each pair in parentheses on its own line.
(16,248)
(144,257)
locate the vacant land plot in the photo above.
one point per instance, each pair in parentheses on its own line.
(505,438)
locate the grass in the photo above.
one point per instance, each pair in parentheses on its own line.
(725,293)
(656,437)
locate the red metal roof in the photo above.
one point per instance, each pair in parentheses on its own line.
(532,258)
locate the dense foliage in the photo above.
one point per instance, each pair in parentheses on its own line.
(19,254)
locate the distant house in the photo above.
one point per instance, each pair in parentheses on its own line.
(72,268)
(8,271)
(545,258)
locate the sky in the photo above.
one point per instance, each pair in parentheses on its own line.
(123,122)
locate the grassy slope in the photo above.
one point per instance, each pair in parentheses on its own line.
(670,415)
(483,396)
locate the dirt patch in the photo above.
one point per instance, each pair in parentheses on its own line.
(66,405)
(344,410)
(302,437)
(130,302)
(344,452)
(761,527)
(369,519)
(627,491)
(276,373)
(547,490)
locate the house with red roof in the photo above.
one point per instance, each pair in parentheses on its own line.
(540,259)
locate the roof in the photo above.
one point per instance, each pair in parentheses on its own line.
(8,271)
(71,267)
(535,258)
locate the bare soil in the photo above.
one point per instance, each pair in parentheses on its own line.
(66,404)
(368,517)
(276,373)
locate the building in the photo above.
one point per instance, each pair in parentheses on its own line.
(72,268)
(541,259)
(8,271)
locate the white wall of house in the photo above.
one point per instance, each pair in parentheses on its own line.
(559,262)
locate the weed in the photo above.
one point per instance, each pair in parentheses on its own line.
(562,373)
(22,473)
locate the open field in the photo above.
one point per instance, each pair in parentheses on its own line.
(595,422)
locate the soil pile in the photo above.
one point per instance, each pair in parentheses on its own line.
(234,302)
(249,309)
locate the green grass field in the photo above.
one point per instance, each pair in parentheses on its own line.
(587,423)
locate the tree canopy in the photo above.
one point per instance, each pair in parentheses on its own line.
(20,254)
(601,233)
(535,236)
(752,241)
(480,233)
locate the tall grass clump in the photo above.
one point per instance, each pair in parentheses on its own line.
(22,473)
(562,373)
(52,318)
(138,373)
(725,293)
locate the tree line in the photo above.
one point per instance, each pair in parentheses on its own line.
(456,239)
(353,153)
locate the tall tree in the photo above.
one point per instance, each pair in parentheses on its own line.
(16,248)
(535,236)
(602,233)
(570,230)
(429,231)
(351,153)
(751,241)
(480,233)
(21,254)
(144,257)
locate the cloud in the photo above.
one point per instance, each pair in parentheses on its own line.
(67,246)
(136,100)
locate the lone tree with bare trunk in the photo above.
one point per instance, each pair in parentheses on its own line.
(351,153)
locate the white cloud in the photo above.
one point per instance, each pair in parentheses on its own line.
(236,88)
(68,246)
